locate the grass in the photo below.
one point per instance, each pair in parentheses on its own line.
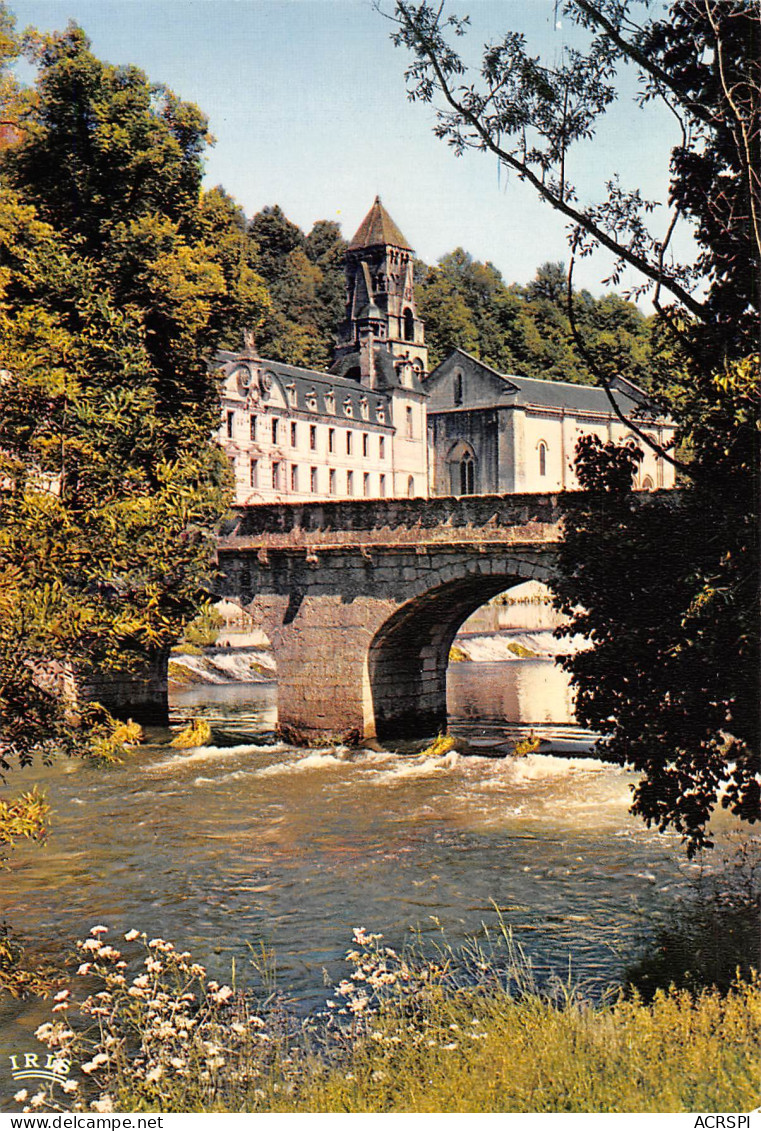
(457,1032)
(476,1053)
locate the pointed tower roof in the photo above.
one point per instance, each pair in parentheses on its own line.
(378,228)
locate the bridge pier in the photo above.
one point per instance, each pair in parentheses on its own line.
(361,601)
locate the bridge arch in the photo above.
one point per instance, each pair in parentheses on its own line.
(407,658)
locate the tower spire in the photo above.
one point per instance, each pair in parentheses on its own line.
(380,304)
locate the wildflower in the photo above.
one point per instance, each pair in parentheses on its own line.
(38,1099)
(153,966)
(130,935)
(223,994)
(142,981)
(109,952)
(198,971)
(21,1096)
(450,1047)
(100,930)
(61,1007)
(215,1062)
(178,1062)
(258,1022)
(104,1104)
(238,1029)
(154,1075)
(62,995)
(378,1076)
(69,1086)
(89,944)
(85,968)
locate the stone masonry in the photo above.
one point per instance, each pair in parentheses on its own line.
(361,600)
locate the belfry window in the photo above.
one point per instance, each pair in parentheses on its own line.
(467,475)
(409,325)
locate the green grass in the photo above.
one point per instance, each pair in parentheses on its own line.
(403,1033)
(471,1053)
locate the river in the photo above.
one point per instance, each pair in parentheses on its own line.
(249,842)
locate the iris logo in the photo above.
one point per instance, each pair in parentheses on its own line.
(37,1066)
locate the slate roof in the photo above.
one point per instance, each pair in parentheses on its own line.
(311,388)
(378,228)
(538,393)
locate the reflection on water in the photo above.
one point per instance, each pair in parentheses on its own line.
(526,692)
(247,842)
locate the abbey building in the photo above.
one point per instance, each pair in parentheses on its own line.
(379,424)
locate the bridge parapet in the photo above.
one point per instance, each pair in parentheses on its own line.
(448,520)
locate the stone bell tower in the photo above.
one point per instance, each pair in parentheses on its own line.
(381,327)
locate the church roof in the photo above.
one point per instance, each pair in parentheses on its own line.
(378,228)
(537,392)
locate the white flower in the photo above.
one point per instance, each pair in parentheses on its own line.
(38,1099)
(69,1086)
(130,935)
(100,930)
(21,1096)
(154,1075)
(85,968)
(104,1104)
(224,993)
(62,995)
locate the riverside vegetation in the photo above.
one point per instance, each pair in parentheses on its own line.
(143,1028)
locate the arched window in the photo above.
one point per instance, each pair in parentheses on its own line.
(467,475)
(409,325)
(647,483)
(542,458)
(458,388)
(411,487)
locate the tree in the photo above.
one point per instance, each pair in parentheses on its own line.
(668,585)
(118,278)
(304,275)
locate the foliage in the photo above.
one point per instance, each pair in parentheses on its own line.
(666,589)
(204,628)
(670,680)
(527,330)
(712,934)
(196,733)
(118,278)
(305,278)
(402,1033)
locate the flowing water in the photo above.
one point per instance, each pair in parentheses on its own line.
(248,842)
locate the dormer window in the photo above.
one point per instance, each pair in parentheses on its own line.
(364,408)
(291,390)
(330,401)
(348,407)
(311,400)
(380,414)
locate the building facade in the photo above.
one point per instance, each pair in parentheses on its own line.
(357,431)
(496,434)
(379,425)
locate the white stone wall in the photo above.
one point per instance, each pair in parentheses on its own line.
(313,456)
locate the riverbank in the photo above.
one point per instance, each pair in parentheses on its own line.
(466,1032)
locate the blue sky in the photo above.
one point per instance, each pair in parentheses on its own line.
(307,101)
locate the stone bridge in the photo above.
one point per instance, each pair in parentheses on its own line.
(361,600)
